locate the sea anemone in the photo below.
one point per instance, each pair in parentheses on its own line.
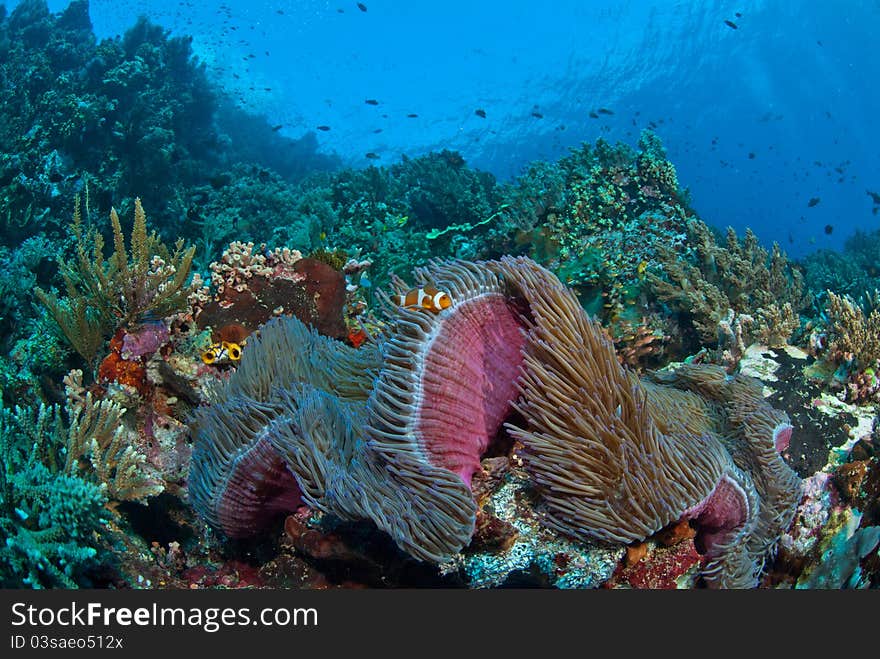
(406,458)
(616,460)
(238,481)
(394,431)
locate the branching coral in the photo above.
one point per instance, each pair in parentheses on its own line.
(105,294)
(98,449)
(48,519)
(853,334)
(741,276)
(93,444)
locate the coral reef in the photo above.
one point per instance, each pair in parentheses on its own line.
(739,285)
(853,272)
(597,219)
(535,432)
(137,113)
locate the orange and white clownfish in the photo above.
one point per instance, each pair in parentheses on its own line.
(427,298)
(223,352)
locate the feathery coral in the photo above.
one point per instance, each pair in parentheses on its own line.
(105,294)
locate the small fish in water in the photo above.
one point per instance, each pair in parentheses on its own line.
(731,25)
(277,127)
(412,115)
(372,156)
(377,131)
(593,115)
(829,229)
(427,298)
(641,269)
(813,201)
(751,156)
(362,6)
(324,128)
(371,101)
(480,112)
(224,352)
(605,111)
(537,115)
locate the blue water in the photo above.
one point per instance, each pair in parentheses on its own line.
(797,85)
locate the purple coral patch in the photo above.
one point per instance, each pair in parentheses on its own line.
(144,341)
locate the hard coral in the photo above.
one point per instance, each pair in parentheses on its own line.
(740,276)
(253,284)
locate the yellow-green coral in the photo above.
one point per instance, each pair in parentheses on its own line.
(106,293)
(852,333)
(742,276)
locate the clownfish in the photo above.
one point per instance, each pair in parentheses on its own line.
(427,298)
(224,352)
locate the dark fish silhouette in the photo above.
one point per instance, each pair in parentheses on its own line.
(378,130)
(813,201)
(604,111)
(371,101)
(323,127)
(738,15)
(731,25)
(275,129)
(828,229)
(751,156)
(875,196)
(593,115)
(412,115)
(537,115)
(372,156)
(362,6)
(480,112)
